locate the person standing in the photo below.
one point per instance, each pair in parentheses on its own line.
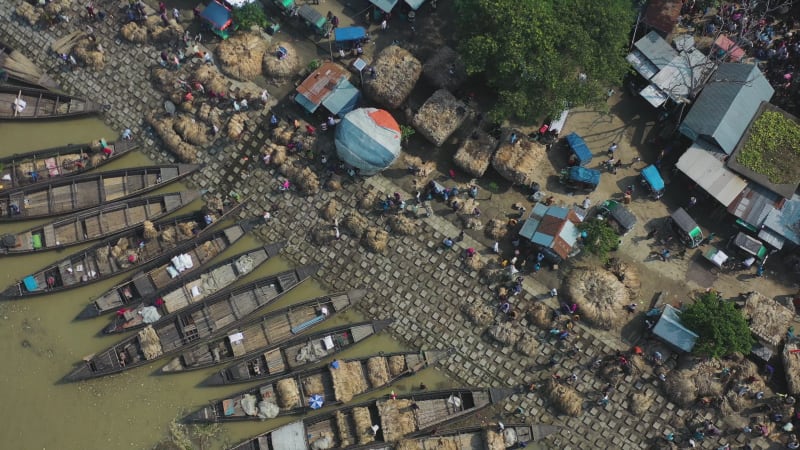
(612,149)
(384,25)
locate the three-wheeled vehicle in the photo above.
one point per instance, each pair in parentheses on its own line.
(618,216)
(314,19)
(686,228)
(716,257)
(577,178)
(218,18)
(285,6)
(750,248)
(651,178)
(580,155)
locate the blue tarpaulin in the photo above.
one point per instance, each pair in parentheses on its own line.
(343,99)
(349,34)
(384,5)
(579,148)
(584,175)
(653,177)
(368,139)
(670,330)
(30,283)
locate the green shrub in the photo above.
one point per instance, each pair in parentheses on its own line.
(249,15)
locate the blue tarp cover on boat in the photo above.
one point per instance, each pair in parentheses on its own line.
(30,283)
(653,177)
(584,175)
(343,99)
(349,33)
(579,147)
(384,5)
(670,329)
(218,15)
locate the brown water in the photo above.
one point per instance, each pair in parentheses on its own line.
(40,342)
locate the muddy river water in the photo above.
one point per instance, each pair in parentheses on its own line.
(40,341)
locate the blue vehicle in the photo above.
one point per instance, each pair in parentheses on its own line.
(578,178)
(580,155)
(651,178)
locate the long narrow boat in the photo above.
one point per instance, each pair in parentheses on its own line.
(97,223)
(474,438)
(21,69)
(42,166)
(266,332)
(124,252)
(392,420)
(335,384)
(67,195)
(200,321)
(297,354)
(142,300)
(20,103)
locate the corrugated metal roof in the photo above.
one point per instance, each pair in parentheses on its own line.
(730,99)
(670,329)
(754,203)
(641,64)
(704,164)
(291,436)
(683,74)
(319,85)
(656,50)
(553,227)
(785,222)
(342,99)
(662,15)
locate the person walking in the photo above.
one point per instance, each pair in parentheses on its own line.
(384,25)
(611,149)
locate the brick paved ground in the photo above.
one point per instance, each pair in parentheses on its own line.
(421,286)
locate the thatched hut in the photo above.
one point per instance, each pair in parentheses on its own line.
(440,116)
(599,294)
(445,69)
(396,74)
(281,62)
(475,154)
(518,162)
(791,364)
(768,319)
(241,56)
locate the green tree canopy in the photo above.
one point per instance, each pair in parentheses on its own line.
(532,51)
(722,328)
(600,239)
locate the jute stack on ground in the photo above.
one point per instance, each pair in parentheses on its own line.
(236,126)
(791,362)
(356,223)
(210,115)
(164,128)
(89,53)
(348,380)
(528,345)
(288,394)
(424,168)
(281,68)
(160,33)
(164,80)
(564,398)
(475,262)
(445,69)
(397,72)
(480,314)
(302,176)
(376,239)
(475,153)
(331,210)
(518,162)
(505,333)
(29,13)
(599,294)
(190,130)
(397,418)
(768,319)
(626,273)
(640,402)
(496,229)
(402,225)
(241,55)
(377,371)
(440,116)
(541,315)
(211,79)
(133,32)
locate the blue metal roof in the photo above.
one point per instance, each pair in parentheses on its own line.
(532,222)
(652,175)
(342,99)
(784,221)
(579,147)
(384,5)
(670,329)
(727,104)
(307,104)
(558,211)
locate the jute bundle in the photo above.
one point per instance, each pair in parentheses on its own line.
(397,72)
(334,183)
(480,314)
(475,262)
(313,385)
(123,244)
(640,403)
(186,230)
(164,128)
(279,154)
(163,79)
(441,443)
(29,13)
(168,235)
(116,252)
(680,388)
(377,371)
(505,333)
(493,440)
(409,445)
(331,210)
(363,423)
(356,223)
(600,296)
(445,69)
(367,200)
(626,273)
(376,240)
(791,362)
(149,230)
(397,418)
(425,168)
(240,56)
(348,380)
(541,315)
(134,33)
(288,394)
(768,319)
(149,343)
(192,131)
(519,162)
(402,225)
(323,235)
(208,250)
(397,365)
(528,345)
(281,69)
(475,153)
(344,429)
(87,52)
(439,117)
(565,398)
(496,229)
(56,7)
(160,33)
(236,126)
(211,79)
(127,258)
(210,115)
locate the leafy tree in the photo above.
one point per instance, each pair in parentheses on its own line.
(532,52)
(601,239)
(249,15)
(722,328)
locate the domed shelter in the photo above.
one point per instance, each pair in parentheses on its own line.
(368,139)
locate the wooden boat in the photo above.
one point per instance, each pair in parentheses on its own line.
(20,103)
(22,70)
(142,299)
(94,224)
(42,166)
(125,252)
(67,195)
(337,384)
(278,360)
(475,438)
(352,427)
(194,324)
(261,333)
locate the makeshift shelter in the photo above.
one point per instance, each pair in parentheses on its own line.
(726,49)
(650,54)
(219,18)
(519,162)
(768,319)
(704,163)
(553,229)
(781,224)
(330,87)
(384,5)
(475,153)
(368,139)
(679,80)
(440,116)
(445,69)
(396,72)
(670,329)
